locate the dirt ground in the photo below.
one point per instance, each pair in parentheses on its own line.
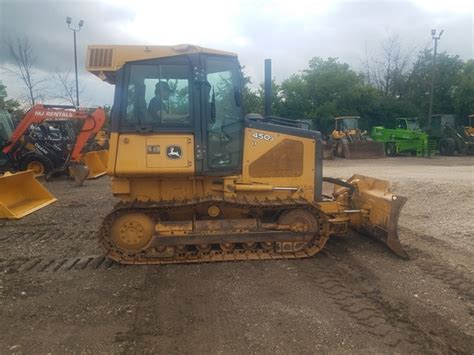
(59,295)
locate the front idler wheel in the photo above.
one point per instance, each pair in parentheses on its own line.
(132,232)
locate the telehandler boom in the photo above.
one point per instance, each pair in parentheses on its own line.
(198,182)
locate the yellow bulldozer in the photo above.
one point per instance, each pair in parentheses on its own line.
(350,142)
(199,182)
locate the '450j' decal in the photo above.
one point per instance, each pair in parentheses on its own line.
(264,136)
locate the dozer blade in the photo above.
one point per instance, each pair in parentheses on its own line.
(96,161)
(21,194)
(364,150)
(381,210)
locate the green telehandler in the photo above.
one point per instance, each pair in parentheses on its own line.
(407,137)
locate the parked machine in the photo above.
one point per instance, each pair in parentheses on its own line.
(53,139)
(20,193)
(407,137)
(451,139)
(199,182)
(469,127)
(350,142)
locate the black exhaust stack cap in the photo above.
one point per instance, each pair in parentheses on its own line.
(268,87)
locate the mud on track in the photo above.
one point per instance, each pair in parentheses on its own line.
(58,294)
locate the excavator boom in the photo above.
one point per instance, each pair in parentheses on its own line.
(91,122)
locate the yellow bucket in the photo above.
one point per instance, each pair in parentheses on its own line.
(96,161)
(21,194)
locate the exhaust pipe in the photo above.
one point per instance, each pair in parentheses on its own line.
(268,87)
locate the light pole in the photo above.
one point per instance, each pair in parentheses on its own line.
(74,30)
(433,71)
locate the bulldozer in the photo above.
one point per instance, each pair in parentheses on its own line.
(350,142)
(20,193)
(53,139)
(197,181)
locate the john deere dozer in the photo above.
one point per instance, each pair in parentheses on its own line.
(20,193)
(352,143)
(198,182)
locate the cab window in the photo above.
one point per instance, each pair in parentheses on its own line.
(158,95)
(402,124)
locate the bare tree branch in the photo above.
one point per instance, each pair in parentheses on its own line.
(23,58)
(388,71)
(66,90)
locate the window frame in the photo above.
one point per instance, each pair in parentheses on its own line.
(217,171)
(122,97)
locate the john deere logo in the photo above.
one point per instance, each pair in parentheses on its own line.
(173,152)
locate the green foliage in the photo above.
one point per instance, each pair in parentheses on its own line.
(253,101)
(10,105)
(448,71)
(326,89)
(464,92)
(329,88)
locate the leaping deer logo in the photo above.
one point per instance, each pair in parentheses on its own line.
(174,152)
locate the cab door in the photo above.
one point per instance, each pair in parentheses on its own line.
(222,112)
(159,121)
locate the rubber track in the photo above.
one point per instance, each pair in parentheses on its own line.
(214,255)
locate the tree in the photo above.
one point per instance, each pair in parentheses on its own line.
(464,92)
(6,103)
(448,71)
(65,87)
(388,71)
(22,54)
(326,89)
(253,102)
(10,105)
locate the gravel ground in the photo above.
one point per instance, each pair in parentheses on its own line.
(59,295)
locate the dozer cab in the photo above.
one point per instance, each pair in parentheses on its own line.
(352,143)
(198,182)
(54,139)
(20,193)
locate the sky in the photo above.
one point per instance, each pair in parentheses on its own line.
(290,32)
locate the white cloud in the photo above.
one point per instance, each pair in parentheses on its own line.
(289,31)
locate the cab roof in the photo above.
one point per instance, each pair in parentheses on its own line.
(105,60)
(346,117)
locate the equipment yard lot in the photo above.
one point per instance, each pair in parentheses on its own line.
(57,294)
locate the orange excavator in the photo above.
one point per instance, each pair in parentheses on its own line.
(53,139)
